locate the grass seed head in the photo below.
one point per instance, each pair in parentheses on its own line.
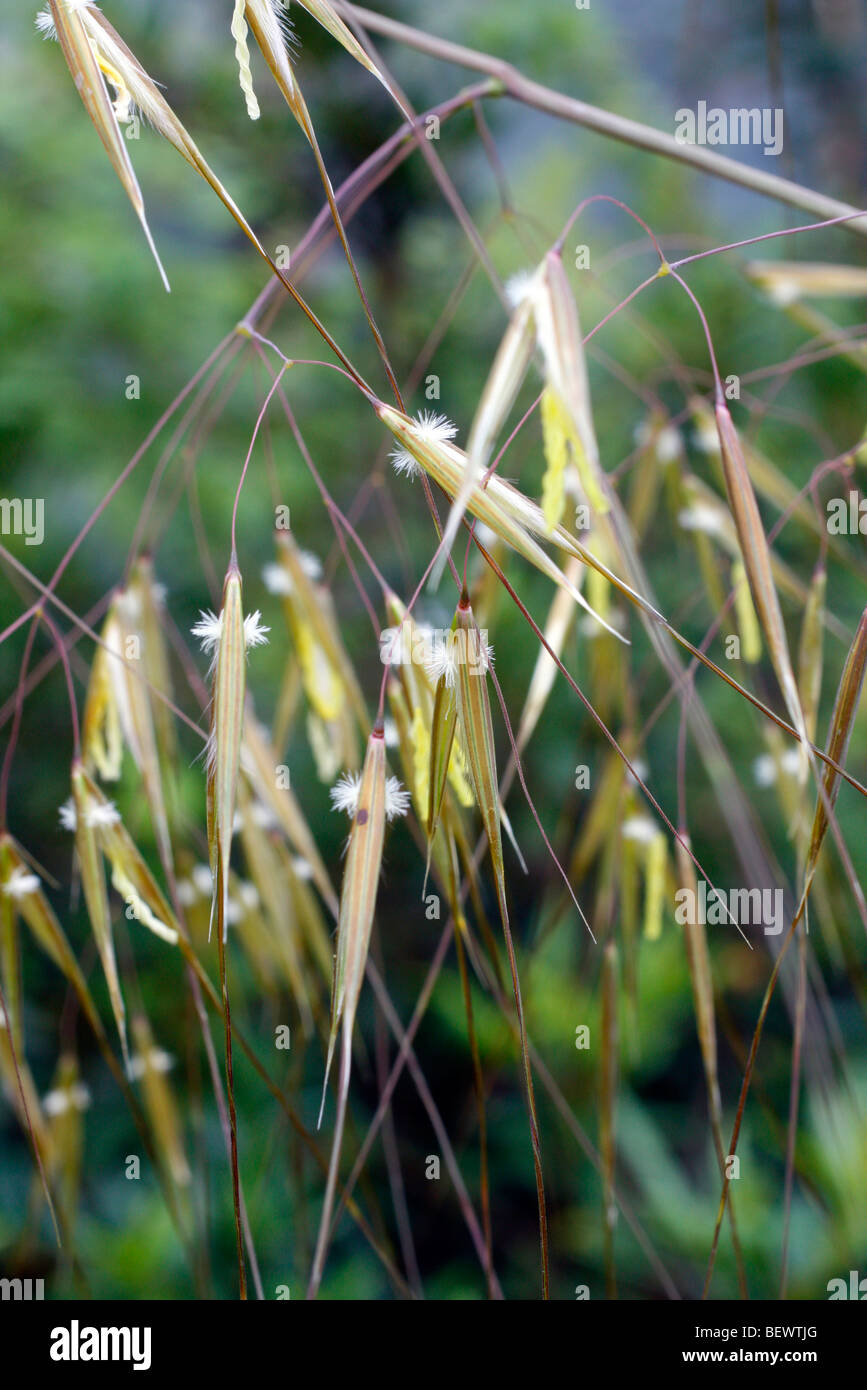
(370,798)
(227,637)
(101,737)
(508,513)
(477,734)
(562,345)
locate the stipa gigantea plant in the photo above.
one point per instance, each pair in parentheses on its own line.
(267,889)
(425,443)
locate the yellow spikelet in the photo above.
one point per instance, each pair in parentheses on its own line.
(21,894)
(13,885)
(748,623)
(654,887)
(459,774)
(421,757)
(260,759)
(322,684)
(327,16)
(555,438)
(560,339)
(101,740)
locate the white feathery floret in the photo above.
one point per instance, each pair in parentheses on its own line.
(344,793)
(397,799)
(97,815)
(278,580)
(431,428)
(209,631)
(344,796)
(20,883)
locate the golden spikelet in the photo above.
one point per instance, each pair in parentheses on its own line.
(748,625)
(101,739)
(227,637)
(556,435)
(562,345)
(654,886)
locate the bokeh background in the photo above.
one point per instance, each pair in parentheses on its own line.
(81,310)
